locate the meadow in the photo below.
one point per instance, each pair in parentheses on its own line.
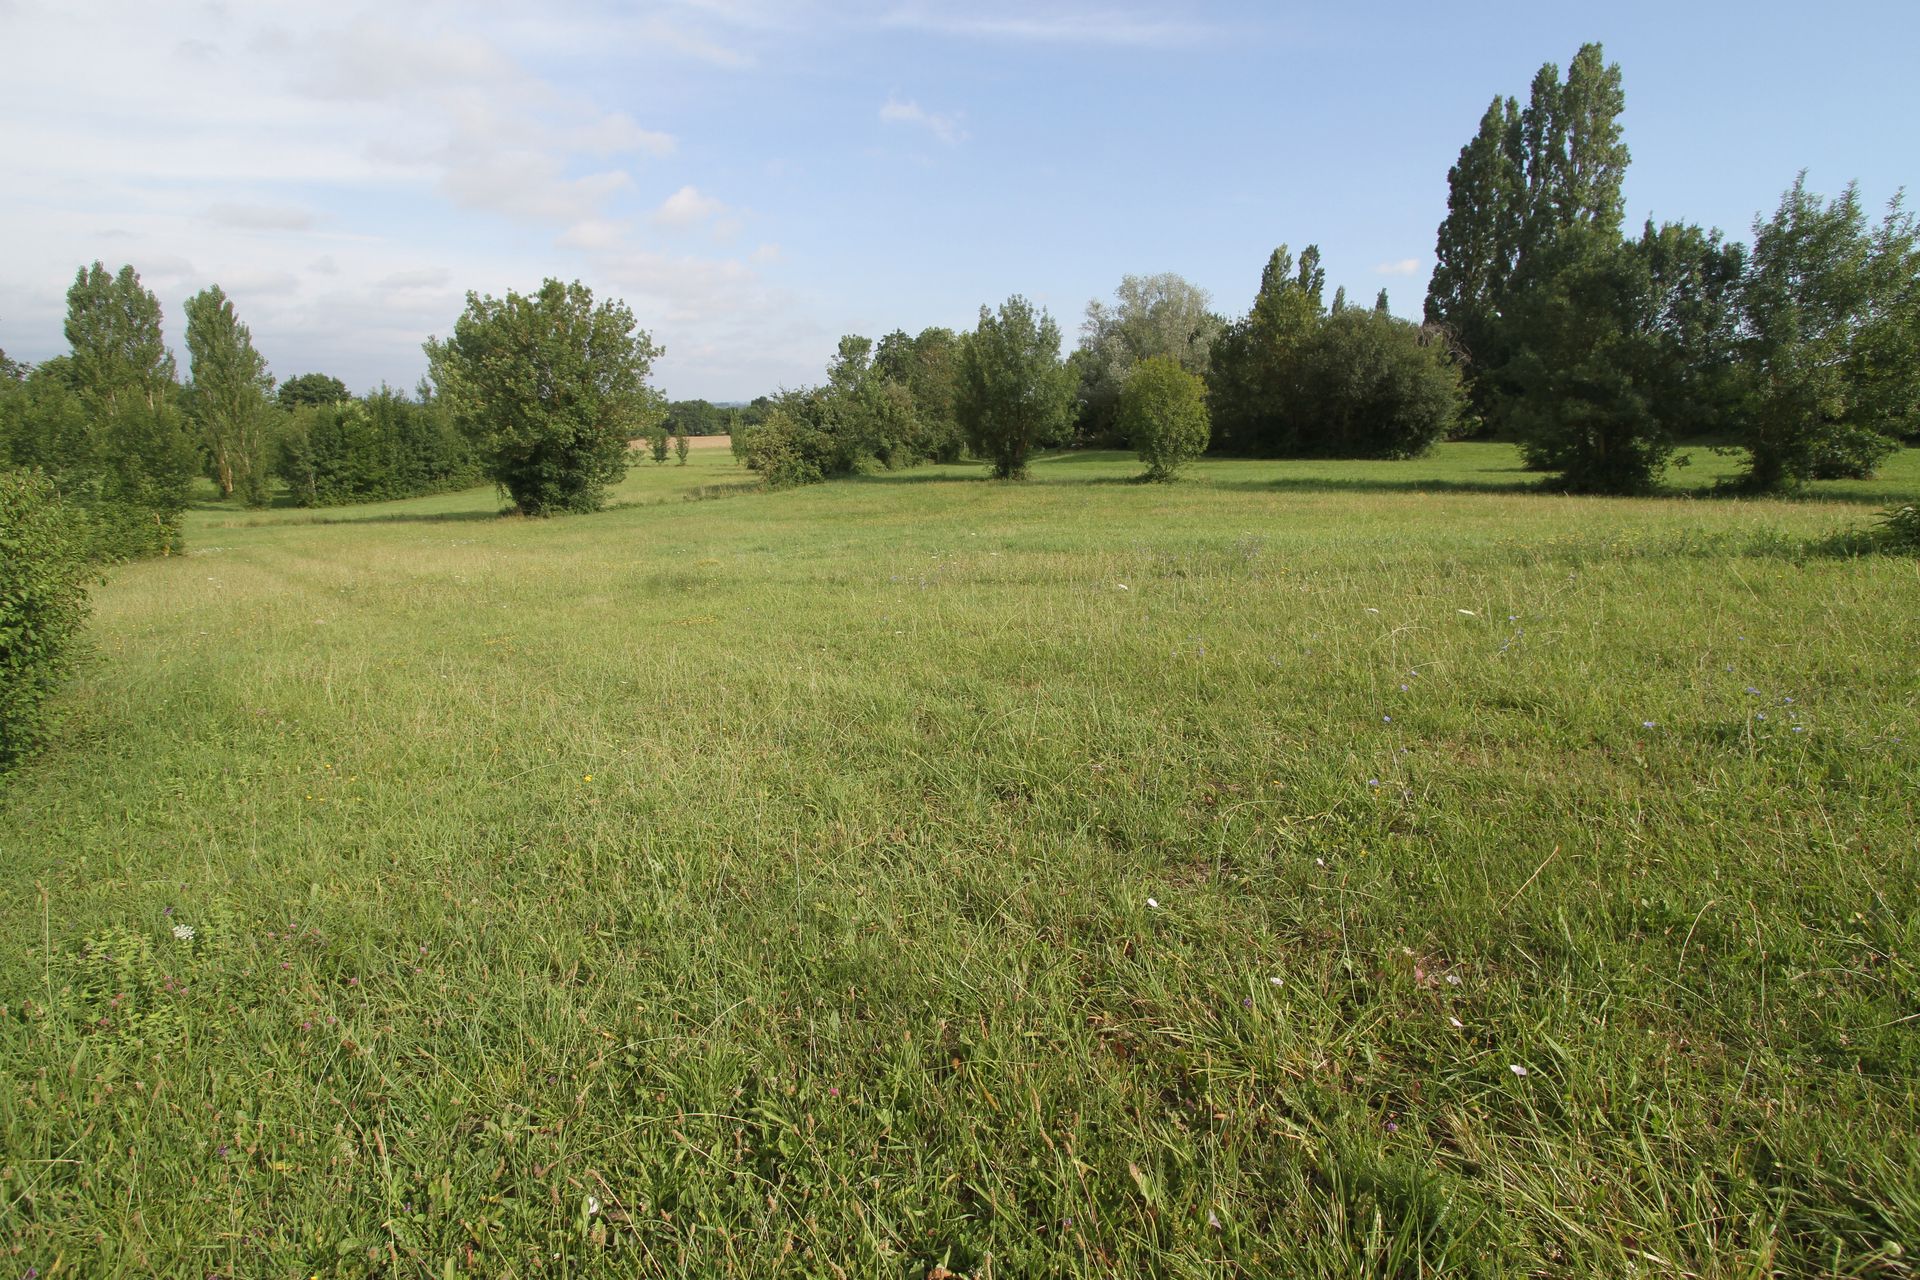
(1344,869)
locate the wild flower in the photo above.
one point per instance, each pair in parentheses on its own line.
(184,932)
(1456,1024)
(1648,724)
(1275,981)
(1373,782)
(1517,1069)
(1453,979)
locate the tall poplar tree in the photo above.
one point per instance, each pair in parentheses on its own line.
(230,390)
(1479,243)
(1525,177)
(124,375)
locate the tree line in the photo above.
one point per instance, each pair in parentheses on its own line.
(1600,352)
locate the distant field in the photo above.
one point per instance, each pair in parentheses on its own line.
(694,443)
(1307,868)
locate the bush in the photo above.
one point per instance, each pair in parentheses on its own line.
(374,450)
(43,604)
(1372,386)
(787,449)
(1163,411)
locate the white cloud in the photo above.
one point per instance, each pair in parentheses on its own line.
(260,217)
(944,127)
(687,207)
(1404,267)
(1085,26)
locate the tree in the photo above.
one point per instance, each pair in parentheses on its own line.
(1163,411)
(657,443)
(1380,303)
(1160,315)
(311,388)
(1696,384)
(550,389)
(696,418)
(933,382)
(1015,394)
(1582,379)
(142,456)
(1250,392)
(1526,175)
(230,389)
(680,446)
(1824,302)
(1369,385)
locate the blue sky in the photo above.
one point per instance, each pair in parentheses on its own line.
(757,178)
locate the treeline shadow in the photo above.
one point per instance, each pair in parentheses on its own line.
(1351,484)
(396,517)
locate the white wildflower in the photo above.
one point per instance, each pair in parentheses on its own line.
(184,932)
(1517,1069)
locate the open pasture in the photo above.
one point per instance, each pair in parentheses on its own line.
(1331,869)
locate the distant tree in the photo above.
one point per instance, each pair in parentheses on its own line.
(1163,411)
(550,389)
(657,443)
(1015,394)
(230,390)
(933,381)
(143,457)
(1825,300)
(1380,303)
(1366,384)
(311,388)
(696,418)
(1160,315)
(1249,387)
(376,449)
(1339,300)
(680,446)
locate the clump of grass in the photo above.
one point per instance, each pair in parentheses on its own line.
(1899,528)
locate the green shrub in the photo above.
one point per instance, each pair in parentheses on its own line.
(1163,411)
(43,603)
(786,449)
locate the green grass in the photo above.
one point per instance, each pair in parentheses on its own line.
(766,884)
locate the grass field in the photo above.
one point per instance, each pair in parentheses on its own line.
(1323,869)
